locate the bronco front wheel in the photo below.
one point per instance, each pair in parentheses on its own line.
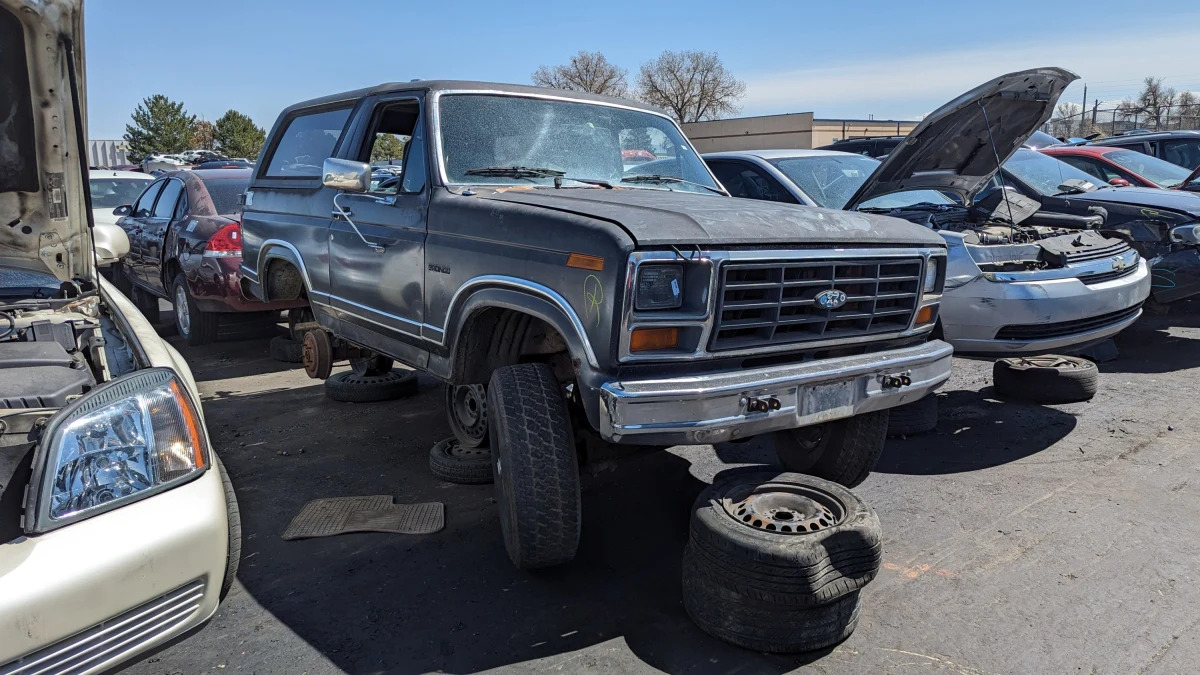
(844,451)
(534,465)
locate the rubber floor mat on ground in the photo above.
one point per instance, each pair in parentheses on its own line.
(341,515)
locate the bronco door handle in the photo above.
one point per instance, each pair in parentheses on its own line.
(338,214)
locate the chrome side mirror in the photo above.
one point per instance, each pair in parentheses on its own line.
(1186,234)
(111,243)
(343,174)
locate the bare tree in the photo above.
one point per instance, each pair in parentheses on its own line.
(1063,122)
(1189,110)
(587,71)
(1154,101)
(691,85)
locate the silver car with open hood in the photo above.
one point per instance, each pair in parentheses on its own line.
(1018,281)
(115,517)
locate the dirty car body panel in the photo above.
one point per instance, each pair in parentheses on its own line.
(92,572)
(564,252)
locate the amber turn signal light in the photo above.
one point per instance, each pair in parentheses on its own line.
(651,339)
(925,315)
(585,262)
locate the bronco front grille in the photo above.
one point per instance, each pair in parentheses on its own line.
(773,303)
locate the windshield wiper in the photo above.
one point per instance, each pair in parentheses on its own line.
(661,178)
(514,172)
(533,172)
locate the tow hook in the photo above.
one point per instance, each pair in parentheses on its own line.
(762,405)
(896,381)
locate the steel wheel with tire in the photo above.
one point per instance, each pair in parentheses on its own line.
(918,417)
(535,468)
(466,411)
(1046,379)
(233,555)
(195,326)
(300,321)
(349,387)
(844,451)
(372,365)
(454,462)
(784,538)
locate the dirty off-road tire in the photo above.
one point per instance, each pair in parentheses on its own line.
(286,350)
(844,451)
(534,464)
(1046,379)
(454,462)
(913,418)
(466,412)
(765,627)
(349,387)
(785,539)
(233,556)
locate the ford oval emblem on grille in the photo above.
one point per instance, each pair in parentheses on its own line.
(831,299)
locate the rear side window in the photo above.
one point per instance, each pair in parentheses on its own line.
(166,201)
(18,153)
(146,202)
(306,142)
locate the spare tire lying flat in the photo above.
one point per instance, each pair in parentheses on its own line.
(785,538)
(351,388)
(763,626)
(454,462)
(1046,379)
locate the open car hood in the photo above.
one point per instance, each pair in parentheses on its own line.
(44,199)
(951,150)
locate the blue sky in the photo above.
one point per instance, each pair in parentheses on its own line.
(892,60)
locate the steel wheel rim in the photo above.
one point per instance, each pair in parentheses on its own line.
(182,318)
(784,508)
(468,405)
(456,450)
(1049,361)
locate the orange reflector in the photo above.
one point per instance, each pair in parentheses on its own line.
(925,315)
(189,418)
(651,339)
(585,262)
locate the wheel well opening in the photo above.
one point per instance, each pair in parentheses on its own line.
(282,281)
(492,338)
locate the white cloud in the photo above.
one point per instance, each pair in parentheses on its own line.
(920,82)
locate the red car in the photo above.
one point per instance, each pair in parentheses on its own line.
(1121,167)
(185,245)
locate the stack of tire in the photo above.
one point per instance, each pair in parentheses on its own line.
(464,458)
(775,561)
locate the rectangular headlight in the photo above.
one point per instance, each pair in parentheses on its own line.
(659,287)
(931,275)
(126,440)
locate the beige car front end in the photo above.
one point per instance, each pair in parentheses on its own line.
(114,521)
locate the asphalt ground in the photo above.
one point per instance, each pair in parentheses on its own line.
(1019,538)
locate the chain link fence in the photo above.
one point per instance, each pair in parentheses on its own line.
(1113,121)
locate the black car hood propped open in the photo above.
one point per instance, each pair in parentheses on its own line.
(665,218)
(950,149)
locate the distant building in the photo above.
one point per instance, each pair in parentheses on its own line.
(787,131)
(107,153)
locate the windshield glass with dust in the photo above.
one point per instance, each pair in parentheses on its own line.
(831,180)
(1153,169)
(513,140)
(1046,174)
(109,193)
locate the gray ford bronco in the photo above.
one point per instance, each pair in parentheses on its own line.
(515,251)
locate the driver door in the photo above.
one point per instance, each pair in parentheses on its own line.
(378,284)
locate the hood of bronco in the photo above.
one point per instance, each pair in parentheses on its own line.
(43,197)
(662,217)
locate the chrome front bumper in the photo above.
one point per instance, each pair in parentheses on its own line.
(715,407)
(973,314)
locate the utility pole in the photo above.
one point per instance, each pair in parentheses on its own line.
(1095,106)
(1082,110)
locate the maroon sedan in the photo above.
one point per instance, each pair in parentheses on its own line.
(185,245)
(1120,166)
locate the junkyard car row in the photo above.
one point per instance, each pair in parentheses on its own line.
(566,290)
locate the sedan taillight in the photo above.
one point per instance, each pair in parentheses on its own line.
(225,242)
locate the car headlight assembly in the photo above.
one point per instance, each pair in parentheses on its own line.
(659,287)
(931,275)
(130,438)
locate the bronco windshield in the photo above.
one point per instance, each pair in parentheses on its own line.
(511,140)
